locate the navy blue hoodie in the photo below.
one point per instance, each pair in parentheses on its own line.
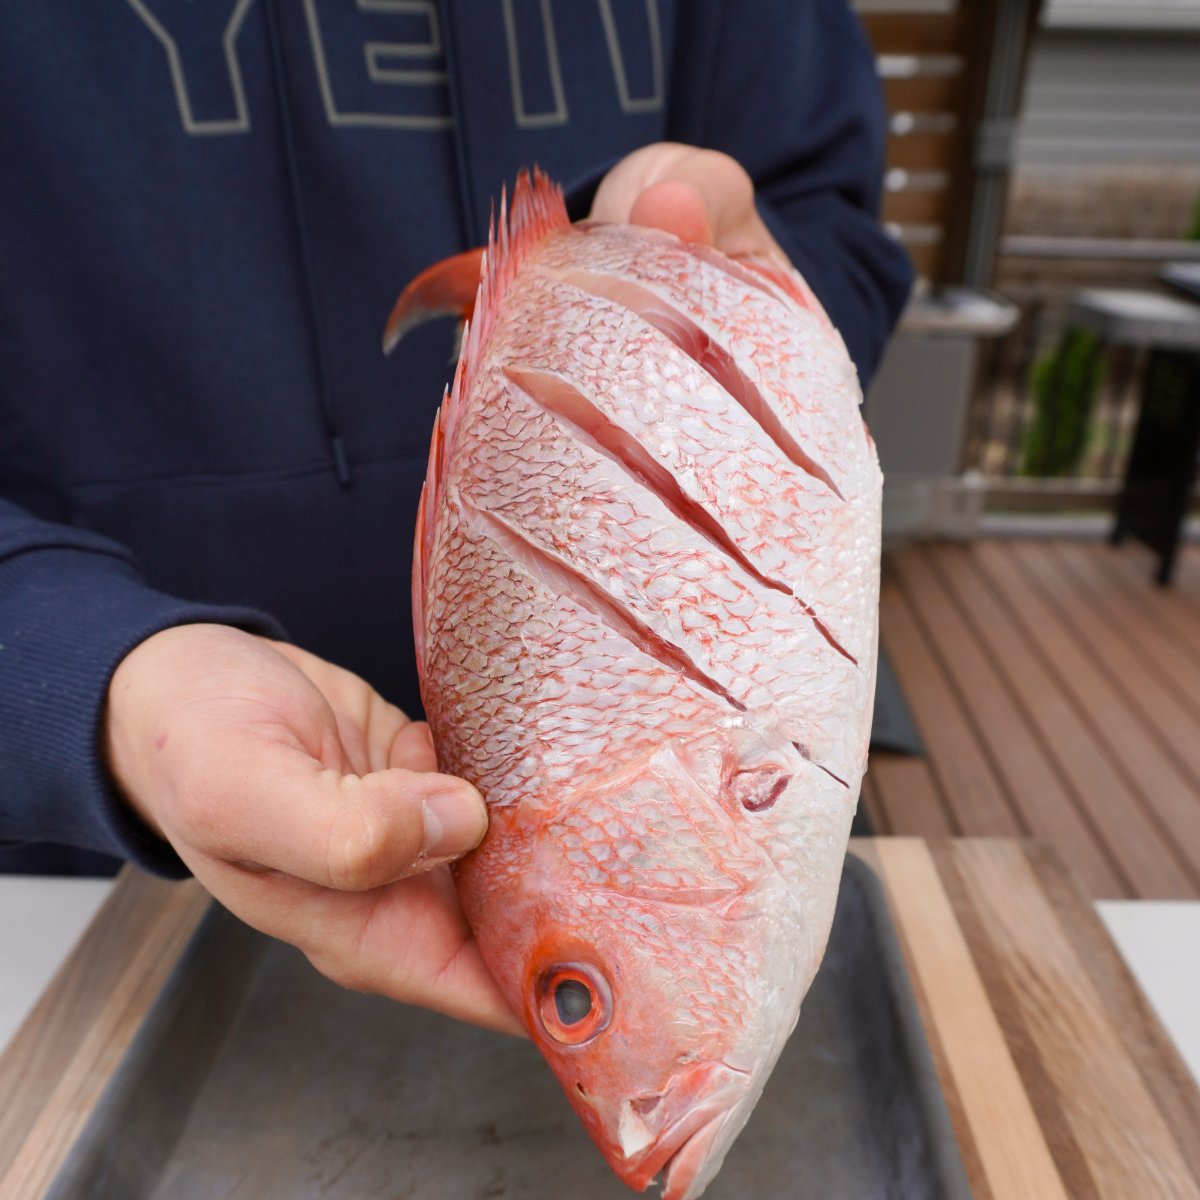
(206,211)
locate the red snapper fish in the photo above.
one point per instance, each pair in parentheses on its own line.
(645,595)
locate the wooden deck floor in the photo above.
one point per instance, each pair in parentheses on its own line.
(1057,691)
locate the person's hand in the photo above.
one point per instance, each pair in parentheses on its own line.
(698,195)
(308,806)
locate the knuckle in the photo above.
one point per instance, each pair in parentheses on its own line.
(360,846)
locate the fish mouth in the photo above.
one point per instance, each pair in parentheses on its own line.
(688,1151)
(690,1169)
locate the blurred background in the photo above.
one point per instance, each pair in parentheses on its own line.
(1037,149)
(1040,403)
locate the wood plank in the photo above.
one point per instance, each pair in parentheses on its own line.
(1136,847)
(1067,1154)
(67,1050)
(1187,582)
(908,795)
(1045,803)
(1188,565)
(999,1117)
(915,33)
(1106,1107)
(1173,616)
(917,207)
(1143,562)
(1136,655)
(927,259)
(870,851)
(1162,625)
(1162,1067)
(965,776)
(924,151)
(1165,792)
(1185,587)
(924,94)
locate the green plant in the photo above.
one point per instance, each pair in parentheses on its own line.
(1064,382)
(1193,230)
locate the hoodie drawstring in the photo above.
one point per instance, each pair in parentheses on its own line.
(337,448)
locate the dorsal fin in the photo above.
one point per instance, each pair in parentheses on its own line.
(537,209)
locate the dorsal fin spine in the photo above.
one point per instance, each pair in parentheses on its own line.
(538,209)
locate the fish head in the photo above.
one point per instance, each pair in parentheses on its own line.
(654,951)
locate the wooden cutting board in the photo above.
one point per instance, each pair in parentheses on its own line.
(1059,1080)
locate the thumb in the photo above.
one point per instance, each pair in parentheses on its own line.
(678,207)
(343,831)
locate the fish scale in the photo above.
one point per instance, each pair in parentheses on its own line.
(778,516)
(580,508)
(550,679)
(645,590)
(810,378)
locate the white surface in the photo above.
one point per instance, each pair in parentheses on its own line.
(40,920)
(1160,940)
(1121,14)
(1122,304)
(1138,318)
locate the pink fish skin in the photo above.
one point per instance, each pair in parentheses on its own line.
(645,593)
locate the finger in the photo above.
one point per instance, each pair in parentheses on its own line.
(269,803)
(725,189)
(676,206)
(638,184)
(409,940)
(416,946)
(367,724)
(727,193)
(412,747)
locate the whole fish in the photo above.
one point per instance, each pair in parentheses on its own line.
(645,595)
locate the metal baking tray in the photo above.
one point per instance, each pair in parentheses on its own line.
(253,1077)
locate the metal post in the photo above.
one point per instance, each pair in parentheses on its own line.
(995,136)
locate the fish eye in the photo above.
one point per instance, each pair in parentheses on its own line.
(573,1002)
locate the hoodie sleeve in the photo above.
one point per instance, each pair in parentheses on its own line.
(790,90)
(72,605)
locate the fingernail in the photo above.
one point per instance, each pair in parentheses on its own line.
(454,823)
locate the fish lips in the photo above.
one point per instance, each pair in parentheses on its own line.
(683,1132)
(692,1167)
